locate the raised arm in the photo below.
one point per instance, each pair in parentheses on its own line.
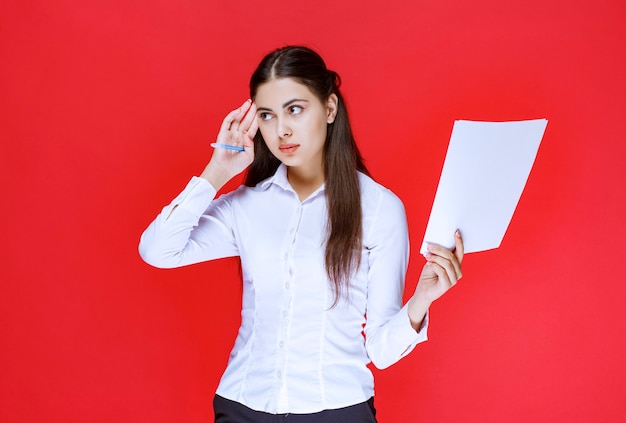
(194,227)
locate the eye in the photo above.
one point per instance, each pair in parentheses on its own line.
(265,116)
(295,110)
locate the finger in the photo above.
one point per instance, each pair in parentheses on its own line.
(254,127)
(248,138)
(238,124)
(244,126)
(445,253)
(233,117)
(447,266)
(442,275)
(459,250)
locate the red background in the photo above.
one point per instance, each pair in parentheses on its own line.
(107,108)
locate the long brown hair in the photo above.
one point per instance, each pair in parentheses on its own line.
(342,159)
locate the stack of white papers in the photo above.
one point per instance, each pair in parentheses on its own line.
(484,173)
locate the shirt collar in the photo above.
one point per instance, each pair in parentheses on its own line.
(280,179)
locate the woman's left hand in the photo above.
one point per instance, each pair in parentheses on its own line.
(440,273)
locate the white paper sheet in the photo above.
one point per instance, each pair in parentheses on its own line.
(484,173)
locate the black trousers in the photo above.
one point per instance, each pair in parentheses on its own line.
(227,411)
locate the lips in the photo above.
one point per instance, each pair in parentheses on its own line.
(288,148)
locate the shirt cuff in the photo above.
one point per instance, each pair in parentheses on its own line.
(196,196)
(404,333)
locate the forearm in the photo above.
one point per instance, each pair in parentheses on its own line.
(216,175)
(395,339)
(169,241)
(417,309)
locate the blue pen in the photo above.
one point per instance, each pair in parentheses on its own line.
(227,147)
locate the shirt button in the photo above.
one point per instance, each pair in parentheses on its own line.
(284,314)
(278,373)
(286,256)
(286,285)
(281,344)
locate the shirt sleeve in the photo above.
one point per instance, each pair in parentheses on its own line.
(194,227)
(389,335)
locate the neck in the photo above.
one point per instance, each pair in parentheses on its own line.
(305,181)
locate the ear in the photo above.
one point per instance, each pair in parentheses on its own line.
(332,104)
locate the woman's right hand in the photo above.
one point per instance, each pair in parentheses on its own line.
(238,129)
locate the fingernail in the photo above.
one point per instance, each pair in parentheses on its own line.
(457,233)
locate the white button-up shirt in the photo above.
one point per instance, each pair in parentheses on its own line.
(294,353)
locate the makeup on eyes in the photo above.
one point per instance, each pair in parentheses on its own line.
(284,105)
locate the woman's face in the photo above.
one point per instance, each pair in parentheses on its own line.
(293,122)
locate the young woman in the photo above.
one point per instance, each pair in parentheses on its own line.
(324,251)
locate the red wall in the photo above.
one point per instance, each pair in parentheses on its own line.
(108,107)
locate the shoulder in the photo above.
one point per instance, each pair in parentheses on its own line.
(250,196)
(384,217)
(377,199)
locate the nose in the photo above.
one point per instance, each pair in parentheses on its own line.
(283,129)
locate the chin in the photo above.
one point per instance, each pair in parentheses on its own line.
(290,161)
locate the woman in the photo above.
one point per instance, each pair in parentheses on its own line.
(323,248)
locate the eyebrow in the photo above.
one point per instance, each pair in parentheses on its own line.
(259,109)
